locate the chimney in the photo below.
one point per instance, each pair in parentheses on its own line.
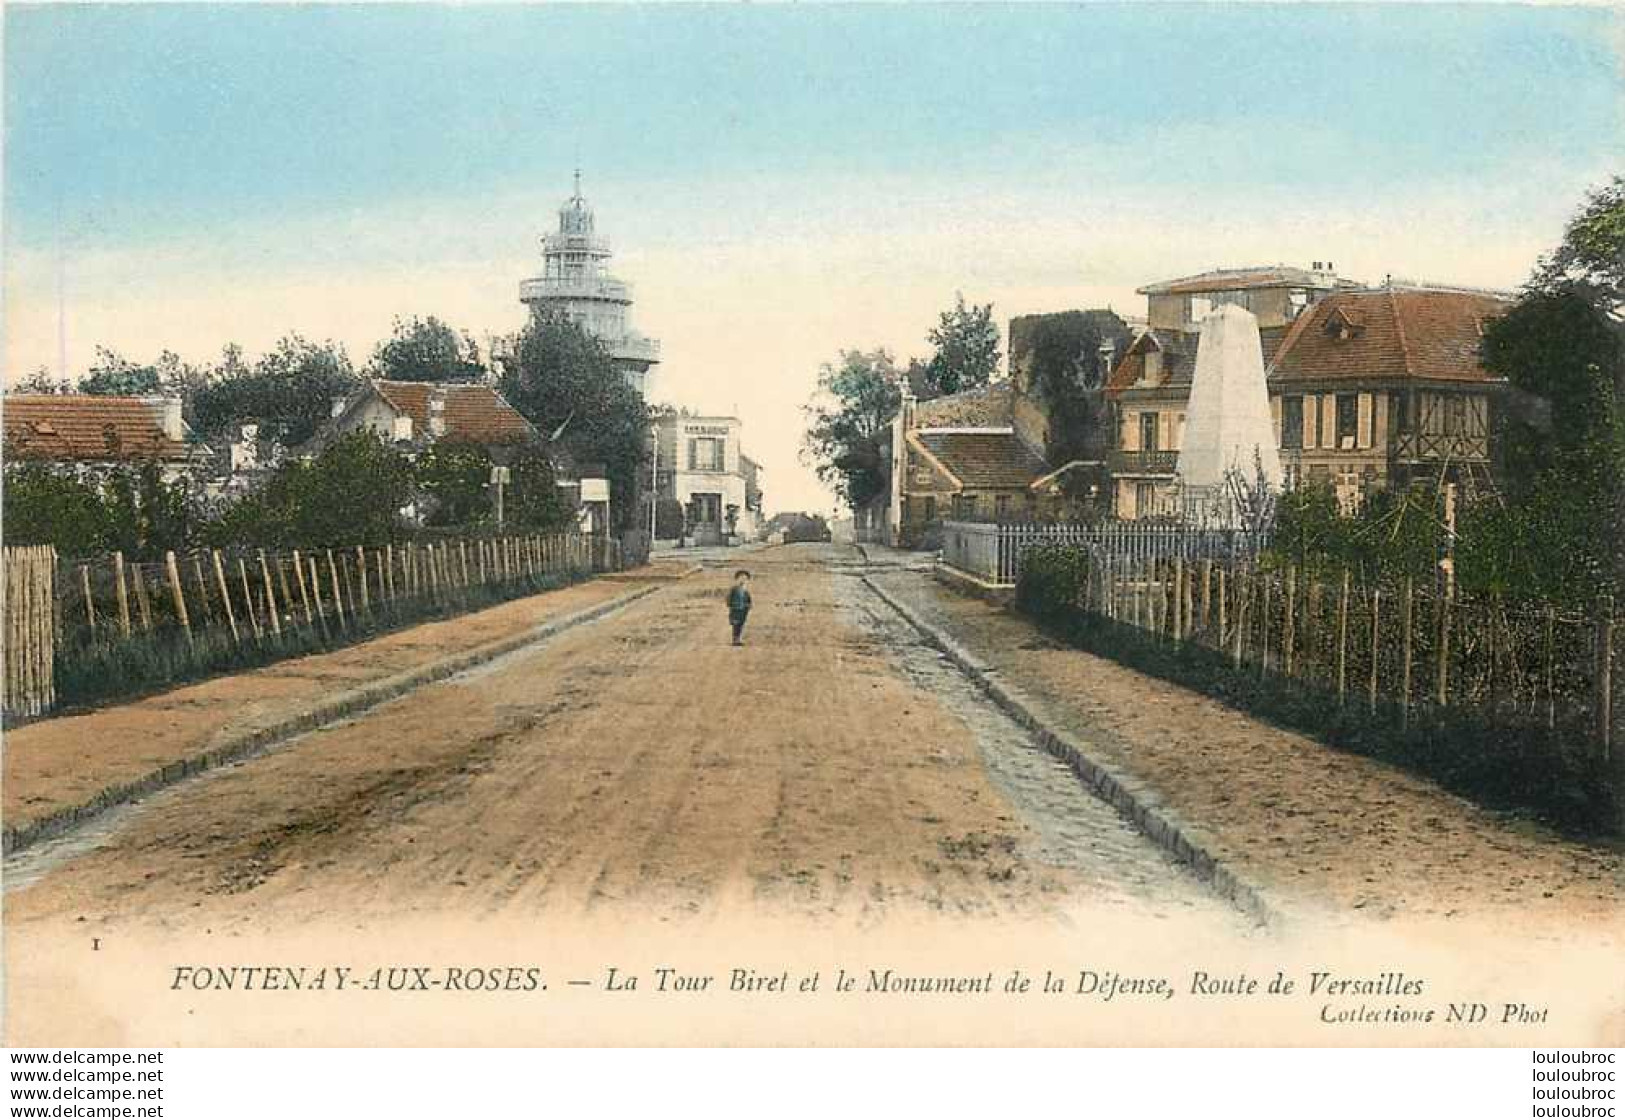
(174,428)
(437,413)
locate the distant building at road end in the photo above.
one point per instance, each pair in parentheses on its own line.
(575,283)
(701,464)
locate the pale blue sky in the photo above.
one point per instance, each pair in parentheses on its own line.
(750,159)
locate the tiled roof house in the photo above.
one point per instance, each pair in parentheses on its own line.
(84,430)
(1151,383)
(419,413)
(1385,386)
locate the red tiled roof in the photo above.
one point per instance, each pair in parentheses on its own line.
(1399,332)
(988,406)
(77,427)
(1178,360)
(985,460)
(473,413)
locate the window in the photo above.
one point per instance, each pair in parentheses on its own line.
(1001,507)
(964,507)
(1145,499)
(1292,423)
(1455,416)
(1348,420)
(1148,431)
(705,454)
(1200,306)
(930,504)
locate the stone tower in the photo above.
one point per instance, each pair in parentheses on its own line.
(575,283)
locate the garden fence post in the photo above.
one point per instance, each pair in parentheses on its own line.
(141,598)
(1343,639)
(1407,646)
(338,597)
(90,601)
(225,594)
(1287,619)
(304,588)
(287,595)
(316,594)
(1180,619)
(1441,676)
(1376,646)
(361,578)
(203,589)
(123,594)
(1264,631)
(1207,598)
(248,598)
(270,596)
(180,595)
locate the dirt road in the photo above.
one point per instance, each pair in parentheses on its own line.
(833,766)
(635,797)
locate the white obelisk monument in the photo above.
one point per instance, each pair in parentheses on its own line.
(1227,423)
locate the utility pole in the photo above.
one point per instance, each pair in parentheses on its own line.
(654,481)
(499,479)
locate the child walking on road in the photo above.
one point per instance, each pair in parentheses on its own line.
(739,604)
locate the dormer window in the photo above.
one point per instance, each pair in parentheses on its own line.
(1152,367)
(1342,325)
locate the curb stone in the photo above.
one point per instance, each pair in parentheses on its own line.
(1132,799)
(343,705)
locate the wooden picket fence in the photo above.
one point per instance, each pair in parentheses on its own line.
(72,612)
(251,594)
(29,610)
(1396,643)
(992,551)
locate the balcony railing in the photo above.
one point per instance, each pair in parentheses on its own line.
(1412,447)
(572,287)
(634,348)
(1142,462)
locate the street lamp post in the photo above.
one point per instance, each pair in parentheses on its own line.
(654,483)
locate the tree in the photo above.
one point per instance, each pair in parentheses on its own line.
(1591,259)
(454,486)
(350,494)
(533,500)
(1559,529)
(563,380)
(849,424)
(453,481)
(51,506)
(131,508)
(147,514)
(427,350)
(1064,359)
(115,376)
(288,392)
(1560,446)
(967,347)
(41,381)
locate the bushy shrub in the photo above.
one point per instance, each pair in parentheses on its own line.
(668,519)
(130,508)
(1052,581)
